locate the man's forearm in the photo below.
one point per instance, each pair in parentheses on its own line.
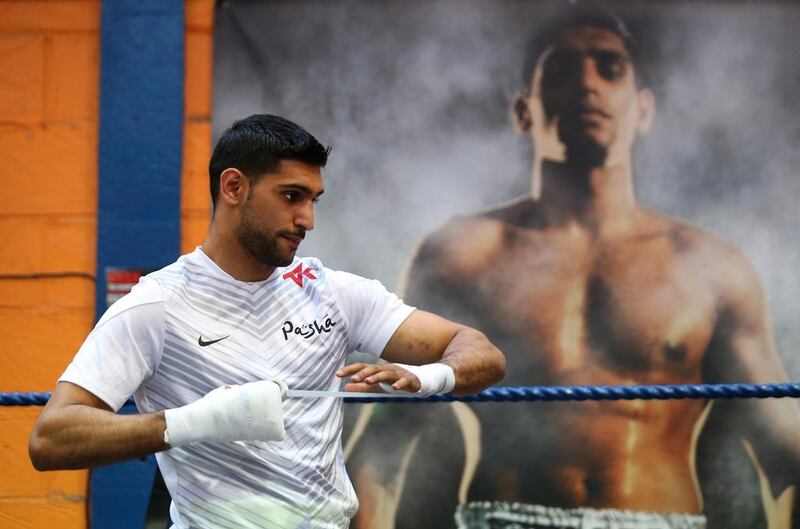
(477,363)
(80,436)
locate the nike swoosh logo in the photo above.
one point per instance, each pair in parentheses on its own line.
(203,343)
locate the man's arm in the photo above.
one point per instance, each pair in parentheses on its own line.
(78,430)
(425,338)
(438,280)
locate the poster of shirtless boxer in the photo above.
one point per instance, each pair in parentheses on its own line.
(608,190)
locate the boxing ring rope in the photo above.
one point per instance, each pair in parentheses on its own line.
(539,393)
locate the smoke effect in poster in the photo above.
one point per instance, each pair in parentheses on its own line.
(414,96)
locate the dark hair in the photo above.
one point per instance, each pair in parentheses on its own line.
(576,15)
(256,145)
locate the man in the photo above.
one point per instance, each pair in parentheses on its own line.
(580,285)
(244,315)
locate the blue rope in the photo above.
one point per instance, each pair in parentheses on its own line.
(551,393)
(24,399)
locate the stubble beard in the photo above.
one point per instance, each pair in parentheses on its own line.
(264,246)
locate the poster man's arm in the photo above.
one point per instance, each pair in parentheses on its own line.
(744,350)
(403,447)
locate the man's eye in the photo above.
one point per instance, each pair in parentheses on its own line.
(291,196)
(611,67)
(562,65)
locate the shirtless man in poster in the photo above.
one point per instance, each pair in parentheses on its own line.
(580,285)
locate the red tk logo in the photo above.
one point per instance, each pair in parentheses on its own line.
(298,273)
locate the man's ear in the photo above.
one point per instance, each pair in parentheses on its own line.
(233,186)
(647,110)
(521,112)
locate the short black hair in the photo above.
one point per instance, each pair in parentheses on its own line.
(257,144)
(575,15)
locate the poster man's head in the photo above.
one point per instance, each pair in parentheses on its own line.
(586,98)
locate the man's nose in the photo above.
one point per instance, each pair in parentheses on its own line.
(589,75)
(305,216)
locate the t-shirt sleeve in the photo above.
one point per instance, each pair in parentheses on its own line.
(373,313)
(124,348)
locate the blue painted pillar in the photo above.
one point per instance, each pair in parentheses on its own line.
(139,163)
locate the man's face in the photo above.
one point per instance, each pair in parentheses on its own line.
(278,212)
(584,104)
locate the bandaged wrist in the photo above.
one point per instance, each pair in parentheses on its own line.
(249,412)
(433,378)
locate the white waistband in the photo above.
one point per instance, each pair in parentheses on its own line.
(505,515)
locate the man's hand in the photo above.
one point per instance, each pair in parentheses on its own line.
(247,412)
(420,381)
(366,378)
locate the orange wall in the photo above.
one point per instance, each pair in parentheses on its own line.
(49,85)
(195,199)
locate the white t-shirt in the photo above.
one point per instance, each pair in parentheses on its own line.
(190,327)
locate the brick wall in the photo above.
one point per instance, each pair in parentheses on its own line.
(195,198)
(49,75)
(49,60)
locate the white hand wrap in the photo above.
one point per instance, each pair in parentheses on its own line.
(433,378)
(250,412)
